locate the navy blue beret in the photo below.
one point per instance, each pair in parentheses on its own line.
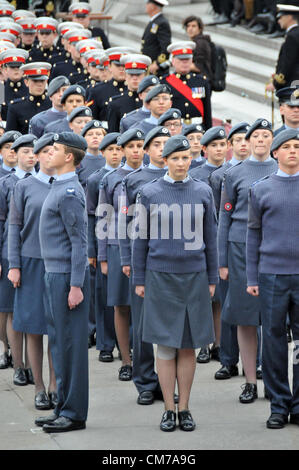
(71,139)
(93,124)
(150,80)
(43,141)
(109,139)
(259,124)
(158,131)
(9,136)
(26,140)
(170,114)
(130,134)
(284,136)
(240,128)
(176,143)
(80,111)
(57,83)
(214,133)
(73,90)
(157,90)
(288,95)
(193,128)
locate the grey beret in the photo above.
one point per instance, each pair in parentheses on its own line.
(240,128)
(283,137)
(176,143)
(214,133)
(158,131)
(94,124)
(26,140)
(193,128)
(259,124)
(73,90)
(130,134)
(169,115)
(80,111)
(57,83)
(157,90)
(109,139)
(9,136)
(71,139)
(43,141)
(150,80)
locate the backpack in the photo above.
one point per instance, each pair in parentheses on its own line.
(219,67)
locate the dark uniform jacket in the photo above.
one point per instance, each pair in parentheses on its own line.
(287,68)
(71,69)
(98,98)
(119,106)
(155,40)
(52,55)
(23,109)
(12,91)
(98,33)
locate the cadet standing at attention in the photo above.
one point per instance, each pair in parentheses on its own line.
(63,240)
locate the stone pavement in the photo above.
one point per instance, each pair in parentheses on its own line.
(117,422)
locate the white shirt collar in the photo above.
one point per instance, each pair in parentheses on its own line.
(156,16)
(284,174)
(21,173)
(171,180)
(128,167)
(43,177)
(66,176)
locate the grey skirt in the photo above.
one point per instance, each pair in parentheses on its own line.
(118,289)
(177,310)
(29,308)
(7,290)
(240,308)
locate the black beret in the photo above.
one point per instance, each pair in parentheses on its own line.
(26,140)
(93,124)
(57,83)
(158,131)
(170,114)
(259,124)
(71,139)
(130,134)
(9,136)
(43,141)
(283,137)
(176,143)
(193,128)
(109,139)
(214,133)
(73,90)
(157,90)
(288,95)
(80,111)
(240,128)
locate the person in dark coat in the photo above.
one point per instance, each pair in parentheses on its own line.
(80,12)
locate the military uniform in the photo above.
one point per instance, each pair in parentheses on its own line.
(155,40)
(119,106)
(12,91)
(53,54)
(21,110)
(99,97)
(71,69)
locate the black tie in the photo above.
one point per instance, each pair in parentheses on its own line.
(27,174)
(51,180)
(12,170)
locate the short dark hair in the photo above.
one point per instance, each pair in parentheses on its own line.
(77,153)
(193,18)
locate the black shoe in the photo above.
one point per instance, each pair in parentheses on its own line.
(203,356)
(259,373)
(294,419)
(106,356)
(249,393)
(168,422)
(41,401)
(125,373)
(53,397)
(20,377)
(63,424)
(215,353)
(186,422)
(146,397)
(226,372)
(91,340)
(29,375)
(45,419)
(5,360)
(277,421)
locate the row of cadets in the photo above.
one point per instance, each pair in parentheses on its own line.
(144,375)
(23,146)
(104,315)
(136,66)
(36,75)
(181,319)
(240,309)
(118,289)
(26,268)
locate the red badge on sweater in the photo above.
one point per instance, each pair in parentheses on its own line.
(228,207)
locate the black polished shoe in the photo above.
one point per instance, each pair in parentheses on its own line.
(294,419)
(63,424)
(226,372)
(146,397)
(186,422)
(203,357)
(53,397)
(41,401)
(277,421)
(29,375)
(168,421)
(106,356)
(125,373)
(45,419)
(215,353)
(5,360)
(259,373)
(249,393)
(20,377)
